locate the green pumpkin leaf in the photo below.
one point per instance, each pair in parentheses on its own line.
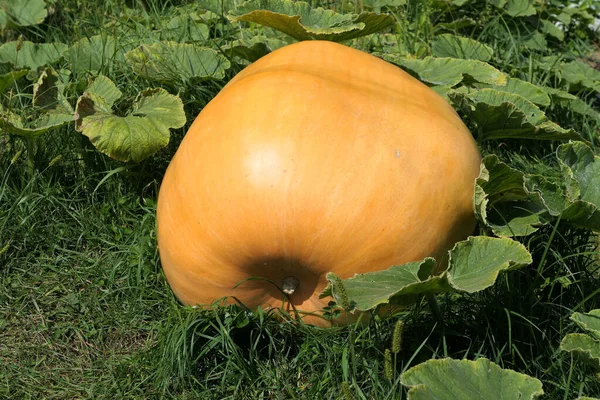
(535,41)
(48,93)
(522,88)
(171,61)
(448,45)
(502,115)
(475,263)
(7,79)
(457,24)
(512,204)
(367,291)
(581,169)
(141,133)
(93,55)
(185,28)
(445,71)
(377,5)
(579,75)
(20,13)
(253,48)
(299,20)
(583,346)
(567,100)
(589,322)
(13,124)
(30,55)
(449,379)
(552,30)
(106,90)
(515,8)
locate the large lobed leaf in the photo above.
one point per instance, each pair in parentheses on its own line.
(447,71)
(581,169)
(502,115)
(93,55)
(448,45)
(25,54)
(449,379)
(253,48)
(474,265)
(299,20)
(142,132)
(171,61)
(476,262)
(13,124)
(583,346)
(50,109)
(367,291)
(18,13)
(510,203)
(589,322)
(515,8)
(579,75)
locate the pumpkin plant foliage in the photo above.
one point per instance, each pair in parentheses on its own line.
(299,20)
(135,136)
(586,346)
(474,265)
(480,379)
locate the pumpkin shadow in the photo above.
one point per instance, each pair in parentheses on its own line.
(268,273)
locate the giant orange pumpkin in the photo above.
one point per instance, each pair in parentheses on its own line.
(316,158)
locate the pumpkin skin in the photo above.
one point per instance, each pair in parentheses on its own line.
(316,158)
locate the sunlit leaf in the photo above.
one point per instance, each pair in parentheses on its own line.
(448,45)
(13,124)
(136,136)
(581,169)
(95,54)
(299,20)
(171,61)
(22,13)
(377,5)
(367,291)
(445,71)
(30,55)
(475,263)
(449,379)
(501,115)
(583,346)
(527,90)
(590,322)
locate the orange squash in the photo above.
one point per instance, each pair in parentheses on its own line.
(316,158)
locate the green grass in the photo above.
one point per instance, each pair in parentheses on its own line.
(85,310)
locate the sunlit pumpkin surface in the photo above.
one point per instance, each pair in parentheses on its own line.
(316,158)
